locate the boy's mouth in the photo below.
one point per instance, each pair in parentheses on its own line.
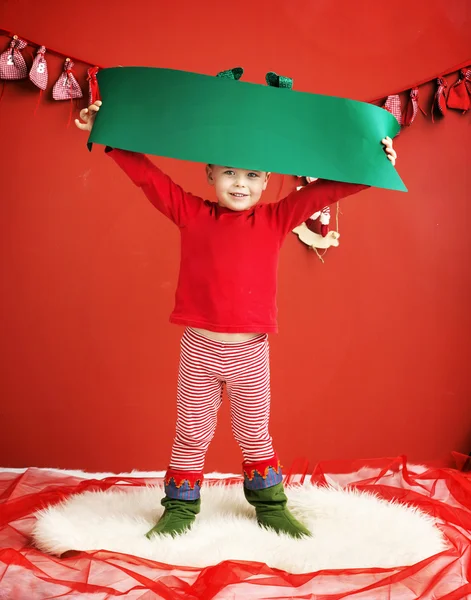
(239,195)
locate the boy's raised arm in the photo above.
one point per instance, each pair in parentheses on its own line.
(167,196)
(300,205)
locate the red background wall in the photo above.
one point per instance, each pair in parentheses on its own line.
(373,354)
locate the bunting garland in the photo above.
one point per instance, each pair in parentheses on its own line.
(13,67)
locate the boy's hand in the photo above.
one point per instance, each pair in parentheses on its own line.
(88,116)
(388,148)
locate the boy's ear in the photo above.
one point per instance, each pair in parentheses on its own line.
(209,174)
(267,177)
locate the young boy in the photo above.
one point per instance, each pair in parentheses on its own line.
(226,299)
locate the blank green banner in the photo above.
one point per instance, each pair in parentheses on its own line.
(207,119)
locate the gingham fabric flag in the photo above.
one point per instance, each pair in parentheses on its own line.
(410,111)
(393,105)
(12,63)
(38,72)
(439,100)
(67,87)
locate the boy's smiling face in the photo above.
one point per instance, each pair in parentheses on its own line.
(237,189)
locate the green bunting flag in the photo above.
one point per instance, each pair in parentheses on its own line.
(225,121)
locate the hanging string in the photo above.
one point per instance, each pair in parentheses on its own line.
(337,213)
(419,83)
(461,65)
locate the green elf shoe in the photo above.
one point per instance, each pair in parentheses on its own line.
(270,507)
(178,517)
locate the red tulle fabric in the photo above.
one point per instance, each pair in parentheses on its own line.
(445,493)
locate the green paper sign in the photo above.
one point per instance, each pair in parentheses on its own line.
(208,119)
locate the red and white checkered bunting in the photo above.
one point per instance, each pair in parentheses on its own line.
(67,87)
(439,100)
(13,67)
(393,105)
(410,111)
(12,63)
(38,72)
(460,92)
(467,79)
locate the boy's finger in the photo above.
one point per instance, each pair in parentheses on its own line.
(80,125)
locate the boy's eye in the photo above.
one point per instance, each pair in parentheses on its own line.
(253,175)
(228,172)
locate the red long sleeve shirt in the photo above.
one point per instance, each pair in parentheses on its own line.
(229,259)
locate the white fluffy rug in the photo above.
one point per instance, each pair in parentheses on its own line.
(351,529)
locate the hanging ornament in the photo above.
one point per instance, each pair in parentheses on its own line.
(393,105)
(38,72)
(316,241)
(314,232)
(67,87)
(12,63)
(93,91)
(439,100)
(410,110)
(459,94)
(319,222)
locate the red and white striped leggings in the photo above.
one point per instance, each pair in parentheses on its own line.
(205,367)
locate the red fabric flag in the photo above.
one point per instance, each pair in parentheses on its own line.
(459,94)
(93,90)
